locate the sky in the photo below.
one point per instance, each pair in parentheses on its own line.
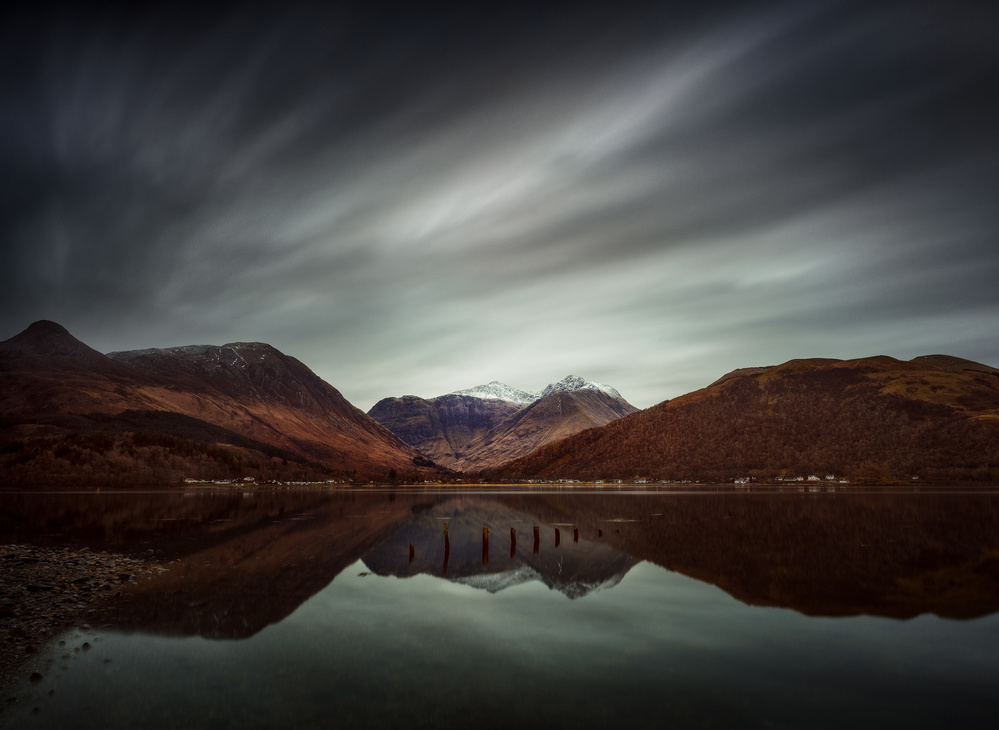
(417,198)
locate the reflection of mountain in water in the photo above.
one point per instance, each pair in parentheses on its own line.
(237,563)
(560,558)
(883,554)
(240,564)
(574,588)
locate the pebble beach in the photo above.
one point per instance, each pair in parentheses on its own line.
(45,590)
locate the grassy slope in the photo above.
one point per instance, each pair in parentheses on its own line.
(876,419)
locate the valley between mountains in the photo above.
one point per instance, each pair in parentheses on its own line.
(72,416)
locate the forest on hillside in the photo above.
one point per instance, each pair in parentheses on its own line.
(137,448)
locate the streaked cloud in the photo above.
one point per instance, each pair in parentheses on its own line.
(415,202)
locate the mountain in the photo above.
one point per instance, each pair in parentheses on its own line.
(70,410)
(261,392)
(576,383)
(442,428)
(45,369)
(502,391)
(555,416)
(48,341)
(873,419)
(481,427)
(499,391)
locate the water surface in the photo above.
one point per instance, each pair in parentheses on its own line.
(660,610)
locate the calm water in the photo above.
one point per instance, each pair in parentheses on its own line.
(710,610)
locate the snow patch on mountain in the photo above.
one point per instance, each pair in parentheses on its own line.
(499,391)
(193,351)
(190,351)
(574,382)
(502,391)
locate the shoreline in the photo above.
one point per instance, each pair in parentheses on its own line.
(47,590)
(692,487)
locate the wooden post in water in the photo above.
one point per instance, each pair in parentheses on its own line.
(447,551)
(485,546)
(600,533)
(537,540)
(575,534)
(558,536)
(513,543)
(412,552)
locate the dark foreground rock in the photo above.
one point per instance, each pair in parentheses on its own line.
(44,590)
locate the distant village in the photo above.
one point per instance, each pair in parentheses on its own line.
(813,482)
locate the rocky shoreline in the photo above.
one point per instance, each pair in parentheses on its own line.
(45,590)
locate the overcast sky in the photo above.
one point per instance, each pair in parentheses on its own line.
(415,199)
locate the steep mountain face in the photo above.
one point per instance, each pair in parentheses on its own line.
(558,414)
(46,341)
(442,428)
(872,419)
(576,383)
(247,391)
(256,390)
(484,426)
(45,369)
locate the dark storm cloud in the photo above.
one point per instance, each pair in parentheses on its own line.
(414,198)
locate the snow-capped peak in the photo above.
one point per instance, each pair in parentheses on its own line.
(574,382)
(499,391)
(502,391)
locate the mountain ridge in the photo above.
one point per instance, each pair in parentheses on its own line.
(874,420)
(52,381)
(559,414)
(72,413)
(501,391)
(478,428)
(498,391)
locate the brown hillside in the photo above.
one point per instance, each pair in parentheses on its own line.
(279,407)
(556,416)
(873,418)
(262,393)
